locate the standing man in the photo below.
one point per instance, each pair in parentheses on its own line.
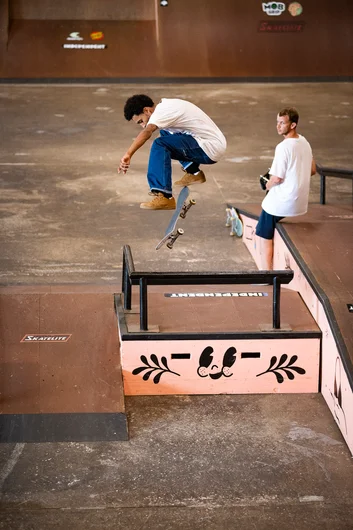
(288,185)
(187,134)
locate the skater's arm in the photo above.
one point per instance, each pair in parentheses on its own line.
(139,141)
(273,181)
(313,168)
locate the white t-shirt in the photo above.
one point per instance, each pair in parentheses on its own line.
(292,163)
(178,115)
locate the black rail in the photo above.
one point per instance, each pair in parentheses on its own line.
(131,277)
(331,172)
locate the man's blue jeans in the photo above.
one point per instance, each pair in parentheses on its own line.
(168,147)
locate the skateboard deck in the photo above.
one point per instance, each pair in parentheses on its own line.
(182,207)
(264,179)
(234,221)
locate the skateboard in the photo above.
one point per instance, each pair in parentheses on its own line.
(182,207)
(234,221)
(264,179)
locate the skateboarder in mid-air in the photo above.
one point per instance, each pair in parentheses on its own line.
(187,134)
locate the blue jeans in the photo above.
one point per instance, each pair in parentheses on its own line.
(168,147)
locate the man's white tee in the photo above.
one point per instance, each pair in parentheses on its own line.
(292,164)
(180,116)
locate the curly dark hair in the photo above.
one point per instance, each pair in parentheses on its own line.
(291,112)
(135,105)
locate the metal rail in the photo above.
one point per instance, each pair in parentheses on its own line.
(131,277)
(331,172)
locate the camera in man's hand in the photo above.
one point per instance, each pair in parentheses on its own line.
(264,180)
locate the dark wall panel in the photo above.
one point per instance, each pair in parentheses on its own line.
(36,50)
(4,22)
(218,39)
(226,38)
(82,9)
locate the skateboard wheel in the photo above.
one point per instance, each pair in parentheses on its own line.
(192,201)
(180,231)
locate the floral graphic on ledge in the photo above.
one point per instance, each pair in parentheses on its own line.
(288,369)
(149,369)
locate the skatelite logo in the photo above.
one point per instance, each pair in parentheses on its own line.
(273,8)
(45,338)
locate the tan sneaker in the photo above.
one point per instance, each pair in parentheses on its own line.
(188,179)
(159,203)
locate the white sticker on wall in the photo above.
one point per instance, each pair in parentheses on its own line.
(273,8)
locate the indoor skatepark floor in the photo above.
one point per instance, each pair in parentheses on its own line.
(200,462)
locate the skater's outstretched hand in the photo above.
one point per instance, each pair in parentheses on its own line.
(124,163)
(140,139)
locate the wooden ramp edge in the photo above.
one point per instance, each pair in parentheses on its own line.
(61,376)
(336,381)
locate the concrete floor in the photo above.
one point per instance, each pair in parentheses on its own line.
(192,463)
(201,462)
(66,212)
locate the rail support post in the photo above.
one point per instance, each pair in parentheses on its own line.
(143,305)
(276,303)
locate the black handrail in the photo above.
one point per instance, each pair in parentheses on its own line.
(331,172)
(128,269)
(143,279)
